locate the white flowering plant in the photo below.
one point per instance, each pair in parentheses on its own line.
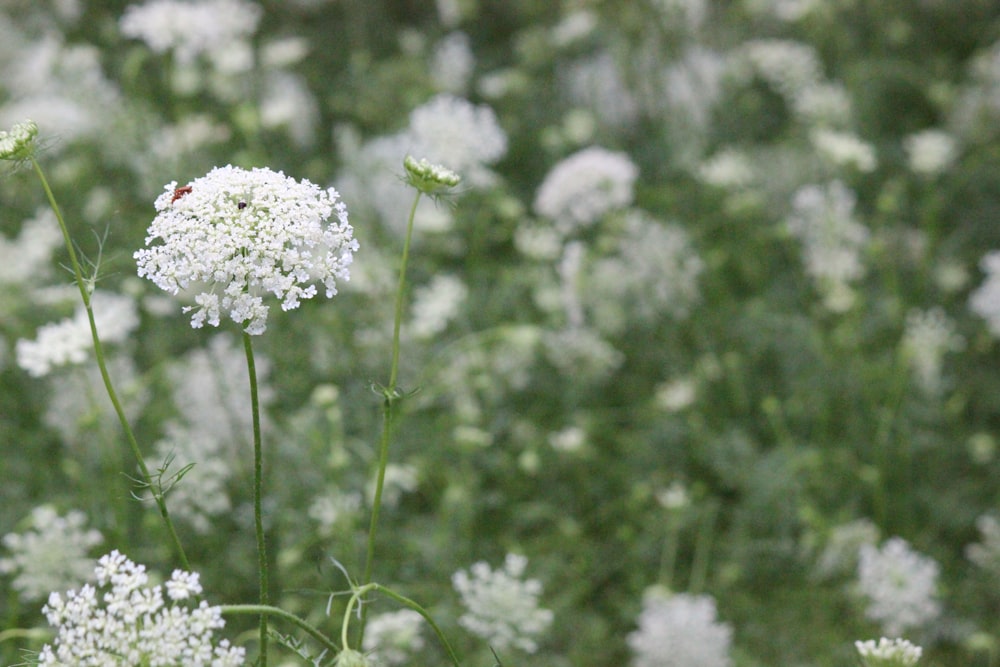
(691,358)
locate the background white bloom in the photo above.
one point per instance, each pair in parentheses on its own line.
(931,151)
(928,336)
(190,29)
(501,607)
(49,555)
(234,236)
(392,637)
(679,631)
(578,191)
(985,300)
(832,239)
(899,584)
(124,622)
(70,341)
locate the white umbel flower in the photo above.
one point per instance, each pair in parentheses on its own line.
(888,653)
(234,236)
(899,584)
(501,607)
(679,631)
(578,191)
(124,622)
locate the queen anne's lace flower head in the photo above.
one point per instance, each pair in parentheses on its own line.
(124,622)
(501,607)
(888,653)
(578,191)
(679,631)
(900,586)
(233,236)
(19,142)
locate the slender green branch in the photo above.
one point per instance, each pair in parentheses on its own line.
(361,591)
(391,396)
(258,469)
(105,376)
(268,610)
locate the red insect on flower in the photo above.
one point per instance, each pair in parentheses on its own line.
(180,192)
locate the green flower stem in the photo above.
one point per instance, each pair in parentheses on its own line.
(81,283)
(268,610)
(391,396)
(362,590)
(258,469)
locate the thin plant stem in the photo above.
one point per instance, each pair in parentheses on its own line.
(268,610)
(258,470)
(361,591)
(81,283)
(699,566)
(391,396)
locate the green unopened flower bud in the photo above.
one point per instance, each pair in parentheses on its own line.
(19,142)
(351,658)
(429,178)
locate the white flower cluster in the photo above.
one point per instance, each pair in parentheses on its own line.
(985,300)
(794,70)
(843,149)
(822,218)
(654,272)
(928,336)
(500,607)
(899,584)
(986,554)
(18,142)
(679,631)
(191,29)
(585,186)
(436,304)
(69,341)
(888,653)
(131,624)
(51,554)
(233,236)
(25,258)
(930,152)
(391,638)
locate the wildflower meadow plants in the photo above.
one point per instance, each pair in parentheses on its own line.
(499,333)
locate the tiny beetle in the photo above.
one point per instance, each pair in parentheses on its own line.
(180,192)
(242,205)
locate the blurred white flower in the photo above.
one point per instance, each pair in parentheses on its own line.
(985,300)
(452,63)
(52,553)
(584,186)
(502,607)
(653,272)
(840,553)
(729,168)
(822,218)
(928,336)
(391,638)
(679,631)
(201,493)
(899,584)
(192,28)
(843,149)
(26,258)
(122,621)
(986,553)
(888,653)
(234,236)
(330,509)
(930,152)
(436,304)
(790,67)
(210,387)
(69,341)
